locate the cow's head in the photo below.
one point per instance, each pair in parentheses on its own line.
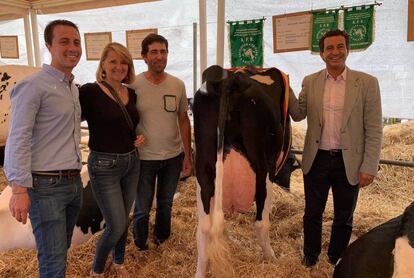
(407,225)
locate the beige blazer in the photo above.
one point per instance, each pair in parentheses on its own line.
(361,128)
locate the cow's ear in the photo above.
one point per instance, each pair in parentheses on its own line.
(215,74)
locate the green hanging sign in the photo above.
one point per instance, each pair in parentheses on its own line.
(322,23)
(358,23)
(246,43)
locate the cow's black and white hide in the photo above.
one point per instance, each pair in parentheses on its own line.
(9,76)
(242,136)
(16,235)
(385,251)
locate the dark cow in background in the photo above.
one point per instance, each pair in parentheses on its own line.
(242,137)
(384,252)
(17,235)
(283,176)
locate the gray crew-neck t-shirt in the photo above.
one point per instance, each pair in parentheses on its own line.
(158,105)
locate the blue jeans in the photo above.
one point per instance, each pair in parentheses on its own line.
(55,205)
(114,179)
(167,174)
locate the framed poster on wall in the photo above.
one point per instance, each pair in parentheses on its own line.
(95,43)
(134,39)
(292,32)
(9,47)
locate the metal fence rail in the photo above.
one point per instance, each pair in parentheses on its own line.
(382,161)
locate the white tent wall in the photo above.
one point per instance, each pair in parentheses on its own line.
(390,58)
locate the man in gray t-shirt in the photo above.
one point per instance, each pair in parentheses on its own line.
(162,106)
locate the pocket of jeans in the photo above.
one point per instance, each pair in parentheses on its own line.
(104,163)
(45,186)
(45,182)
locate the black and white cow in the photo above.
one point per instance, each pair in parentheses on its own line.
(16,235)
(384,252)
(9,76)
(242,136)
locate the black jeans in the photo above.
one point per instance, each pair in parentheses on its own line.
(328,170)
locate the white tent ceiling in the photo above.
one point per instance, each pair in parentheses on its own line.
(15,9)
(12,9)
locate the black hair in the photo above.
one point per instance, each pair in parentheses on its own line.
(51,26)
(150,39)
(333,33)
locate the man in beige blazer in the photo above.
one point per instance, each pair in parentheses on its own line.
(342,145)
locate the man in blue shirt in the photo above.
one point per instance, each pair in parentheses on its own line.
(42,158)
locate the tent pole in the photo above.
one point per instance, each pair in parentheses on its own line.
(203,36)
(35,35)
(221,5)
(28,37)
(195,86)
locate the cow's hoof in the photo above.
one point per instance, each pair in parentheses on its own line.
(140,247)
(96,275)
(309,261)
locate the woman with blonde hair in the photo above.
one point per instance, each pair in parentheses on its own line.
(113,163)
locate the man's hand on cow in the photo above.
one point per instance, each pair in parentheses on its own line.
(19,203)
(139,141)
(187,166)
(365,179)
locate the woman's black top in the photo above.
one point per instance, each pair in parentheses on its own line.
(109,131)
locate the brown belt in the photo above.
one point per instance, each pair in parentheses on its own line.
(63,173)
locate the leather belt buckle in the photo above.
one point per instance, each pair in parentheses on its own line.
(335,152)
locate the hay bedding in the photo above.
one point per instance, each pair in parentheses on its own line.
(392,191)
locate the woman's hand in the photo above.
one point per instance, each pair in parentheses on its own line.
(139,141)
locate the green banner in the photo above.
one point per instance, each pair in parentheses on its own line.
(322,23)
(358,23)
(246,43)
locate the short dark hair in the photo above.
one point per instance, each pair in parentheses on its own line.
(333,33)
(150,39)
(51,26)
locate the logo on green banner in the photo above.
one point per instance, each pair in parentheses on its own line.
(358,23)
(246,43)
(248,53)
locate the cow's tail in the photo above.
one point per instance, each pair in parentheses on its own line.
(218,250)
(224,112)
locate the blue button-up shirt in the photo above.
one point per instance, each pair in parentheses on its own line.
(44,132)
